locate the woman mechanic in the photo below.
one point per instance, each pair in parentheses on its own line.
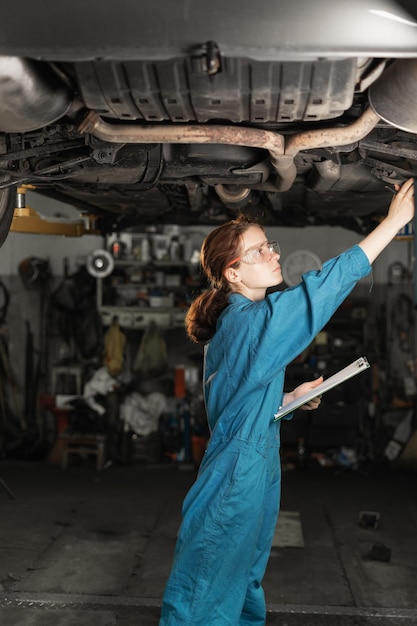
(230,513)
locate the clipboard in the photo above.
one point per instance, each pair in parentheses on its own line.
(347,372)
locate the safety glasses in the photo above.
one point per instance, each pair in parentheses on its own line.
(262,253)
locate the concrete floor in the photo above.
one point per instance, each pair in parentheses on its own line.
(79,547)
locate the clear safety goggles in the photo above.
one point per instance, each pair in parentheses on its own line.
(262,253)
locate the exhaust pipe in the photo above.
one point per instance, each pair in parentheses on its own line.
(282,151)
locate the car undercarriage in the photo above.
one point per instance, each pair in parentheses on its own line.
(192,126)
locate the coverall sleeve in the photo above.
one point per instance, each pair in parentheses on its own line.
(287,322)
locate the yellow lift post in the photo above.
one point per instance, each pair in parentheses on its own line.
(27,220)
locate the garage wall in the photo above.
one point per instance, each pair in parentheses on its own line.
(327,241)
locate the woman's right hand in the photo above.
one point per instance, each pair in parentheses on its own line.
(402,204)
(400,212)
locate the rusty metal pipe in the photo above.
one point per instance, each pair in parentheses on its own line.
(339,136)
(184,133)
(231,194)
(320,138)
(282,151)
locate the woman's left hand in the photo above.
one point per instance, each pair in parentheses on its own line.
(301,390)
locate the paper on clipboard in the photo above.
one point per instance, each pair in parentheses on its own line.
(351,370)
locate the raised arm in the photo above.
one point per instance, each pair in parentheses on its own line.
(401,211)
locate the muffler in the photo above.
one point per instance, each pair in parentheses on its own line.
(394,95)
(31,95)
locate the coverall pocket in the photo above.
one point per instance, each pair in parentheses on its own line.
(244,488)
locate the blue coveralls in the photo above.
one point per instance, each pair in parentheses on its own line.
(230,513)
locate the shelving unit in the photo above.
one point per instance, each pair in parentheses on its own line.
(139,293)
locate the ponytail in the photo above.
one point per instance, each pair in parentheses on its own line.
(202,316)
